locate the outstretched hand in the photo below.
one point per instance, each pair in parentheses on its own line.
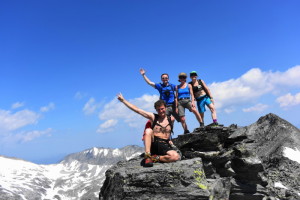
(120,97)
(142,71)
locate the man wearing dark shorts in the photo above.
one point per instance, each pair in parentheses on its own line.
(158,147)
(161,146)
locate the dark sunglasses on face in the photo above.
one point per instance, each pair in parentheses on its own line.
(193,74)
(182,77)
(164,78)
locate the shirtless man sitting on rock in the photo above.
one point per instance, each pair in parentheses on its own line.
(158,146)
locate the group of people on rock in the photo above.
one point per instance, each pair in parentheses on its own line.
(174,99)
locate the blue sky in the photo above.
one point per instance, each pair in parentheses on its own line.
(63,62)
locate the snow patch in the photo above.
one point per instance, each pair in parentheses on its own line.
(279,185)
(292,154)
(105,152)
(95,151)
(116,152)
(133,155)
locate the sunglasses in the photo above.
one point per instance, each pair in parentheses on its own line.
(193,74)
(164,78)
(182,77)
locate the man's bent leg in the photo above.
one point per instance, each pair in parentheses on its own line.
(172,156)
(148,135)
(148,139)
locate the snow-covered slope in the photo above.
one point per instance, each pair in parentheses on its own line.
(78,176)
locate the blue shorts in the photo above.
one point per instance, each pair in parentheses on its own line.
(201,102)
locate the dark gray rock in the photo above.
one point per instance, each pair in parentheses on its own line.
(238,164)
(180,180)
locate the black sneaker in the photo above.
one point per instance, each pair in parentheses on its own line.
(215,124)
(186,132)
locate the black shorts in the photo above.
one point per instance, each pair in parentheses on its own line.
(160,146)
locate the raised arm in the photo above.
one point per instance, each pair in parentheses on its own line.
(134,108)
(143,73)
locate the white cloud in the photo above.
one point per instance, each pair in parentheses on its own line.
(289,78)
(30,135)
(107,126)
(12,124)
(11,121)
(289,100)
(79,95)
(17,105)
(252,85)
(23,136)
(47,108)
(256,108)
(115,110)
(91,106)
(229,110)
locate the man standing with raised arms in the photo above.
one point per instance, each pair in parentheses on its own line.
(166,91)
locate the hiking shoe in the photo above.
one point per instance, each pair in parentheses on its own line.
(201,125)
(186,132)
(155,158)
(147,155)
(215,124)
(148,162)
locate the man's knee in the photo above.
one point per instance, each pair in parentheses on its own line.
(148,132)
(174,156)
(212,108)
(194,110)
(182,118)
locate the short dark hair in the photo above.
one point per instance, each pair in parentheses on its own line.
(159,103)
(164,74)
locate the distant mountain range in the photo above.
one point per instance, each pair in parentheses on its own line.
(78,176)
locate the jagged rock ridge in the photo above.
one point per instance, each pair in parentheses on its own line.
(233,163)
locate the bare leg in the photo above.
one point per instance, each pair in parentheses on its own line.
(148,139)
(198,116)
(171,156)
(202,116)
(213,111)
(183,123)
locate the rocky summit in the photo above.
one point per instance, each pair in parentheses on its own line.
(257,162)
